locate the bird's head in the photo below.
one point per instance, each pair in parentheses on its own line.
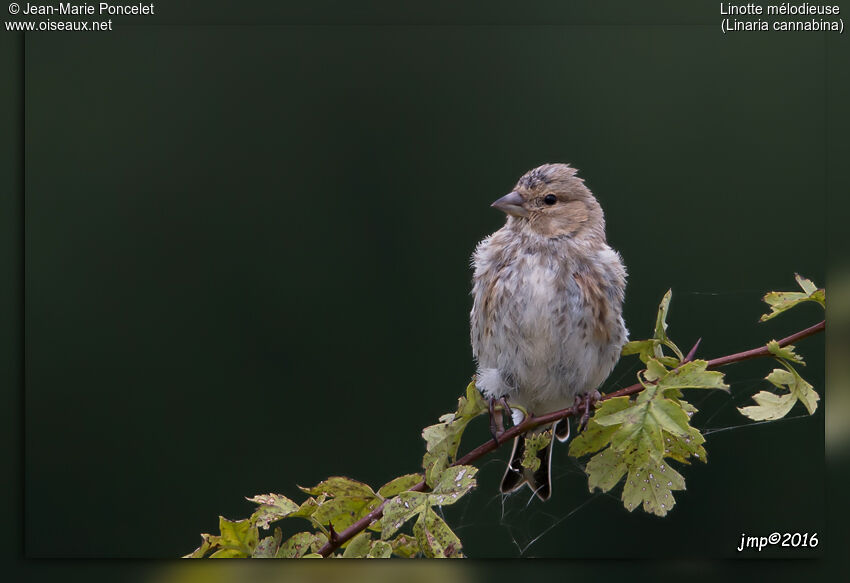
(552,202)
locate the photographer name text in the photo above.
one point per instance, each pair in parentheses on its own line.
(101,9)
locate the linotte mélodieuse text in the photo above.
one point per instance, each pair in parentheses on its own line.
(790,16)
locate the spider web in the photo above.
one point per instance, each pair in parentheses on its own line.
(525,521)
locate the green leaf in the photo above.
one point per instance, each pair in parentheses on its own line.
(645,349)
(453,483)
(638,436)
(655,370)
(786,352)
(208,542)
(605,469)
(651,486)
(434,463)
(781,301)
(683,448)
(296,546)
(405,546)
(399,485)
(443,439)
(319,540)
(341,486)
(267,547)
(273,507)
(400,509)
(661,318)
(670,417)
(308,507)
(442,442)
(652,347)
(641,433)
(596,436)
(357,547)
(349,501)
(434,536)
(238,537)
(771,406)
(693,375)
(473,405)
(380,550)
(344,511)
(534,443)
(228,554)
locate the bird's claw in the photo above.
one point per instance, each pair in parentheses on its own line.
(497,425)
(585,403)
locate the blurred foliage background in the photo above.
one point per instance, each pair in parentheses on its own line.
(247,263)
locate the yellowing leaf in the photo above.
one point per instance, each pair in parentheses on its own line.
(267,547)
(340,486)
(654,370)
(786,352)
(405,546)
(534,443)
(645,349)
(683,448)
(228,554)
(771,406)
(399,485)
(434,536)
(318,542)
(400,509)
(640,433)
(652,486)
(473,405)
(208,542)
(308,507)
(273,507)
(238,538)
(357,547)
(453,483)
(380,550)
(442,442)
(296,546)
(782,301)
(344,511)
(605,469)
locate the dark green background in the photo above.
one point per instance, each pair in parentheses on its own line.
(247,262)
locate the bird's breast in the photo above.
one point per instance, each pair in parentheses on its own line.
(545,321)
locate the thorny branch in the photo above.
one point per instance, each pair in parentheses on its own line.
(532,422)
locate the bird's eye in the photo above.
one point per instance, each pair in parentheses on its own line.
(550,199)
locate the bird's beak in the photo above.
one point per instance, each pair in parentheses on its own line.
(511,204)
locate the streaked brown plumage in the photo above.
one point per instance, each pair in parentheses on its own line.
(546,321)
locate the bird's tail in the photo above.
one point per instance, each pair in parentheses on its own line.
(540,480)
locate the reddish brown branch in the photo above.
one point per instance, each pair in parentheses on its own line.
(531,422)
(763,351)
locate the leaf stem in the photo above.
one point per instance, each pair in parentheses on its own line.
(530,422)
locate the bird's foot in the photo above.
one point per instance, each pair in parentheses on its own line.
(585,403)
(497,425)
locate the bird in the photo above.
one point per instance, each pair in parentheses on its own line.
(546,324)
